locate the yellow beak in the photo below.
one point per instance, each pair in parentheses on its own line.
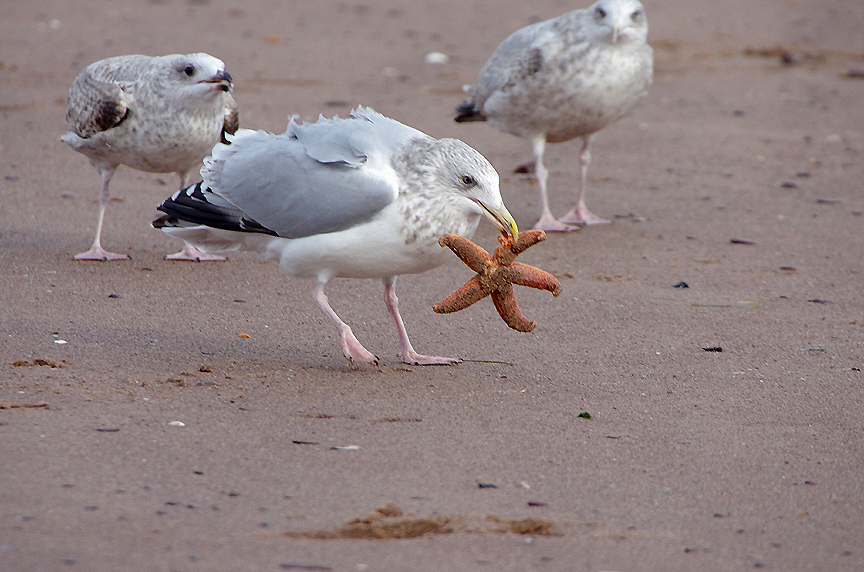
(501,218)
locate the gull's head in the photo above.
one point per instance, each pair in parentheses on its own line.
(620,20)
(201,72)
(472,183)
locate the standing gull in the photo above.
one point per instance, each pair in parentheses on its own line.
(565,78)
(157,114)
(363,197)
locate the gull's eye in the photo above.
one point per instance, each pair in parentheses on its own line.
(636,16)
(469,181)
(600,13)
(189,70)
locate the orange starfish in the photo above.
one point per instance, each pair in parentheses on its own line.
(496,276)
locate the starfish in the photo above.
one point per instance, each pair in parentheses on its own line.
(496,275)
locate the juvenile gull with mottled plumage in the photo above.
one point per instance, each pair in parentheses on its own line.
(157,114)
(565,78)
(363,197)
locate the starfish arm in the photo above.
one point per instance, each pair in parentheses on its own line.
(467,294)
(525,275)
(526,240)
(472,255)
(505,303)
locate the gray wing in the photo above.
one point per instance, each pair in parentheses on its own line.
(94,105)
(101,95)
(518,57)
(307,181)
(525,52)
(353,141)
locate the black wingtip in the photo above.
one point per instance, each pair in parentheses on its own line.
(467,112)
(165,221)
(191,207)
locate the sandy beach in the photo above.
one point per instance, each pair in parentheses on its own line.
(181,417)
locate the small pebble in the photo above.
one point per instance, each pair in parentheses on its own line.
(436,58)
(789,58)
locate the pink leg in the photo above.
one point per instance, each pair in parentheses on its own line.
(96,251)
(190,252)
(406,351)
(546,222)
(351,348)
(580,214)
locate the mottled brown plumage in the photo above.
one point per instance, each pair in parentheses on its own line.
(157,114)
(562,79)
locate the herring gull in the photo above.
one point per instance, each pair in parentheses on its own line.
(565,78)
(156,114)
(362,197)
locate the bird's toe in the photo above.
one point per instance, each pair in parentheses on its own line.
(414,358)
(192,254)
(550,224)
(100,254)
(582,217)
